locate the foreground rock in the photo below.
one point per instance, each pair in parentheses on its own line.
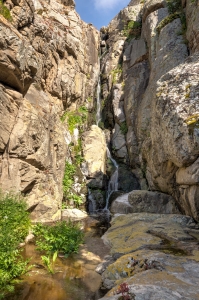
(156,255)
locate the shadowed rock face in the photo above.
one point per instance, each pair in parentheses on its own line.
(150,81)
(49,62)
(144,201)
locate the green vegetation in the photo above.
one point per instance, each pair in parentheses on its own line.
(4,11)
(167,20)
(124,128)
(89,99)
(62,237)
(132,29)
(175,11)
(68,177)
(173,6)
(49,262)
(77,150)
(14,227)
(68,181)
(74,121)
(116,73)
(76,118)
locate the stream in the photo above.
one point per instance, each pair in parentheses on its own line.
(74,277)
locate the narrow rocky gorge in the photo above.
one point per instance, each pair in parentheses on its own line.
(69,91)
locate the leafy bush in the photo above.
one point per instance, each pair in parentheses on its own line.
(4,11)
(62,237)
(167,20)
(68,177)
(174,6)
(68,181)
(14,227)
(175,11)
(75,118)
(116,73)
(132,29)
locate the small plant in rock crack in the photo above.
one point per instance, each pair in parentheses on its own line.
(124,290)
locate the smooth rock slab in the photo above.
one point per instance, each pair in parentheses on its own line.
(73,214)
(132,232)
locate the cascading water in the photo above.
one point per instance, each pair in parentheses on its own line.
(98,114)
(113,182)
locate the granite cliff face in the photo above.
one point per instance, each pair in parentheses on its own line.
(49,65)
(150,83)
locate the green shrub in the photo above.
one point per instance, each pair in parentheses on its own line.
(175,11)
(75,118)
(4,11)
(116,73)
(14,227)
(124,128)
(62,237)
(167,20)
(173,6)
(68,179)
(132,29)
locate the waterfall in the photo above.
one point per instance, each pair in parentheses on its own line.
(98,114)
(113,182)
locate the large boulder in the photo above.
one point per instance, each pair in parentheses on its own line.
(94,150)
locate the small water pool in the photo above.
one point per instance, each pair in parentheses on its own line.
(74,278)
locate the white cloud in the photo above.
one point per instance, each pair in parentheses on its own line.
(108,4)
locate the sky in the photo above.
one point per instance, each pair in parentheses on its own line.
(99,12)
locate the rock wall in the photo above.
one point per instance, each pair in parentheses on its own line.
(49,65)
(150,81)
